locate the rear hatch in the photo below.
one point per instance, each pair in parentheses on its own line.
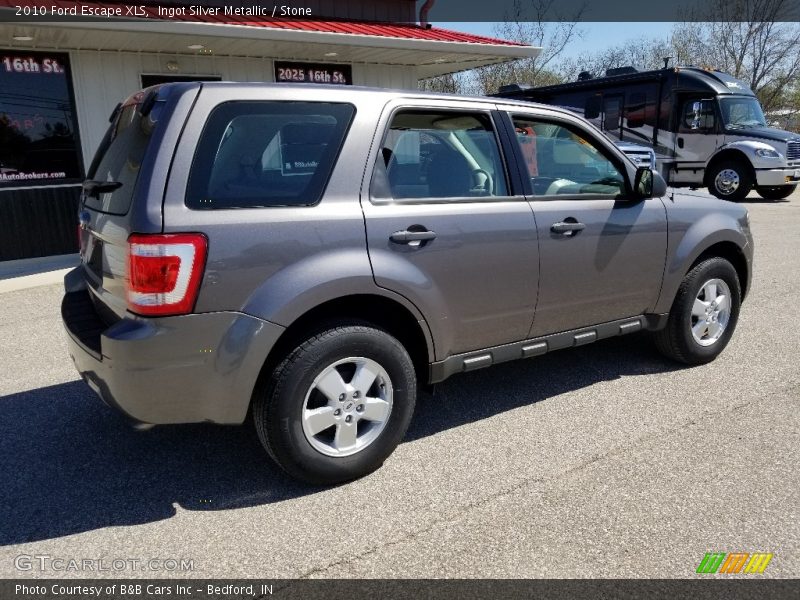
(117,198)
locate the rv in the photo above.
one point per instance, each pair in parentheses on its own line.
(707,128)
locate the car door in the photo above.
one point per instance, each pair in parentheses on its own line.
(444,227)
(601,253)
(698,134)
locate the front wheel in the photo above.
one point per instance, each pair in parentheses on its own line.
(730,180)
(776,193)
(338,405)
(703,315)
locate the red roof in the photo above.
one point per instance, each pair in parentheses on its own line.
(387,30)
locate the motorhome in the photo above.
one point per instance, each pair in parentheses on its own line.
(706,127)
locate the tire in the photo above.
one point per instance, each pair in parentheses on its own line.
(776,193)
(291,406)
(677,340)
(730,180)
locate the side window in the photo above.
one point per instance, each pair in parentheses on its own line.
(697,116)
(560,160)
(262,154)
(435,155)
(612,113)
(635,110)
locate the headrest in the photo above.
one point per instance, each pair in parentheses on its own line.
(306,133)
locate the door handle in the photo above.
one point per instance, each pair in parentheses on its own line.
(408,237)
(567,227)
(680,142)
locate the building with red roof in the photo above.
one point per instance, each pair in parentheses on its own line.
(63,72)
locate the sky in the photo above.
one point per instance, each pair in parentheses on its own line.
(597,35)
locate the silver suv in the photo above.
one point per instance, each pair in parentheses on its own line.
(308,256)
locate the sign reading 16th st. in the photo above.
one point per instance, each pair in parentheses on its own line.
(16,64)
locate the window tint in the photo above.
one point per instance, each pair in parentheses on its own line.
(561,161)
(259,154)
(635,109)
(612,109)
(120,158)
(439,155)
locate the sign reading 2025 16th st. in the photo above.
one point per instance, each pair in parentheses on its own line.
(303,72)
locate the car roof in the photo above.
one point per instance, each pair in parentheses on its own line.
(386,93)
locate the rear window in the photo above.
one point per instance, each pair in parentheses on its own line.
(265,154)
(120,159)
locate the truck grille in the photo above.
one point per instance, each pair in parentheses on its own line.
(640,158)
(793,150)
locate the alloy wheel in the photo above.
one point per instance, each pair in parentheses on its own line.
(711,312)
(347,406)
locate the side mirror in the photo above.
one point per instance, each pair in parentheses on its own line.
(649,184)
(703,115)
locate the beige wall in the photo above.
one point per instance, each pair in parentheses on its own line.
(102,79)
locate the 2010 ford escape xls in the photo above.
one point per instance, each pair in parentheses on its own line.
(317,253)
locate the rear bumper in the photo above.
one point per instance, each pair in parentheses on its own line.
(185,369)
(776,177)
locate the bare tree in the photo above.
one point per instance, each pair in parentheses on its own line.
(451,83)
(643,53)
(539,24)
(762,50)
(746,38)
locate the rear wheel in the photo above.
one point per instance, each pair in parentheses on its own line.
(703,315)
(776,193)
(730,180)
(338,405)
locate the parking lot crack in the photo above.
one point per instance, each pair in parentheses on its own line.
(463,510)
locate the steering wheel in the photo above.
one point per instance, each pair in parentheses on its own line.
(488,183)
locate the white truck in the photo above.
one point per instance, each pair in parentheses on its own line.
(707,128)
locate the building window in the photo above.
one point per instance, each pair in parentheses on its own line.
(39,143)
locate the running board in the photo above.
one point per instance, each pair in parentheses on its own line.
(470,361)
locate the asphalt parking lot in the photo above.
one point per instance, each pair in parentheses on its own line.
(604,461)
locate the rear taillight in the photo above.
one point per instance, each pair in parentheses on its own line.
(164,272)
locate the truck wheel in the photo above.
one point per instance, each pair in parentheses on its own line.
(338,405)
(730,180)
(776,193)
(703,315)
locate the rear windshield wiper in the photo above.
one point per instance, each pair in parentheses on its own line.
(94,188)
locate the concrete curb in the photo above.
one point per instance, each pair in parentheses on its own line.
(30,281)
(35,272)
(31,266)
